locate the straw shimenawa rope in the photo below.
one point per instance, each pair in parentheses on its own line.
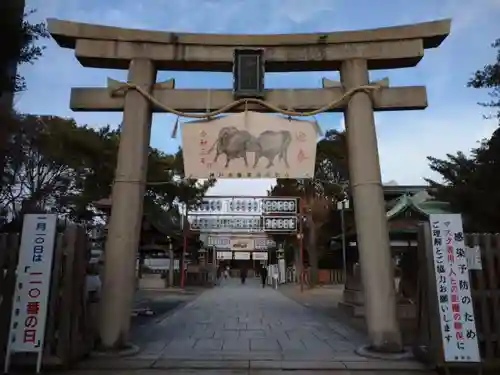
(287,112)
(124,86)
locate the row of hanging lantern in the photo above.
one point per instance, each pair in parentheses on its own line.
(225,223)
(247,205)
(222,223)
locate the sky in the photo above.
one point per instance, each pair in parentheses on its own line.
(452,122)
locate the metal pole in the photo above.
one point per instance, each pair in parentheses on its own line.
(344,255)
(171,265)
(183,256)
(184,248)
(301,235)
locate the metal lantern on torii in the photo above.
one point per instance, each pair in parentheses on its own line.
(353,53)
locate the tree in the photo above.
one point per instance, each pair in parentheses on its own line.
(43,164)
(319,195)
(470,183)
(19,44)
(53,164)
(489,78)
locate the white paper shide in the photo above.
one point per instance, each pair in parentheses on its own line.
(456,315)
(29,310)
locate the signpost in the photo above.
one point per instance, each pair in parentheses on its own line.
(31,294)
(456,314)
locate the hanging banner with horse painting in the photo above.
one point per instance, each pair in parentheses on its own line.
(249,145)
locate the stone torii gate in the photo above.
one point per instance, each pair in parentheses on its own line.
(354,53)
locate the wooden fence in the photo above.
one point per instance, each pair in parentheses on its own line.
(69,334)
(485,292)
(325,276)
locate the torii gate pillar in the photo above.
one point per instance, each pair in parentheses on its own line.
(126,212)
(369,211)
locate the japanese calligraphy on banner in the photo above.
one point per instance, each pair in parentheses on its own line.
(456,314)
(29,310)
(249,145)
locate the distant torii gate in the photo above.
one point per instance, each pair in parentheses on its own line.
(354,53)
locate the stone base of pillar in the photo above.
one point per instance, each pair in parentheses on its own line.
(353,303)
(127,350)
(388,353)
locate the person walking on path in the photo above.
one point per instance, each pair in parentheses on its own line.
(243,275)
(263,275)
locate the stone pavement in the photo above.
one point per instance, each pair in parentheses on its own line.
(235,321)
(240,327)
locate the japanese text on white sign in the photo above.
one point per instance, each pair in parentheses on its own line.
(29,310)
(456,315)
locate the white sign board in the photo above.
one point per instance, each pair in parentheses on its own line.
(456,314)
(31,294)
(238,244)
(219,242)
(264,243)
(259,255)
(474,258)
(241,255)
(224,255)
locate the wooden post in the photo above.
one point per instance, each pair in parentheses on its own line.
(126,211)
(377,270)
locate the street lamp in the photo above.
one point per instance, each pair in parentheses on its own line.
(342,206)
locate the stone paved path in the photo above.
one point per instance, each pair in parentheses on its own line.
(248,322)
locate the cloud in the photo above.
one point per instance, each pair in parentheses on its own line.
(242,187)
(467,14)
(452,122)
(404,146)
(297,12)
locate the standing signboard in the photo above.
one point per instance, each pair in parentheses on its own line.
(456,315)
(31,294)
